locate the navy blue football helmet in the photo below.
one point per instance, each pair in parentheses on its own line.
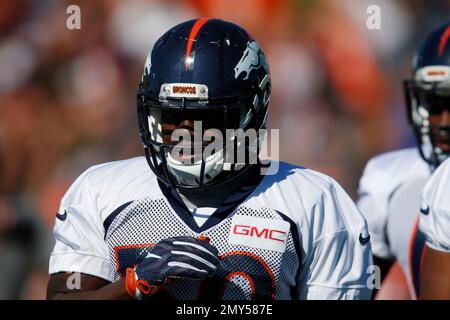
(206,70)
(428,96)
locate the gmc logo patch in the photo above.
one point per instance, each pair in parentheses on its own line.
(271,234)
(255,232)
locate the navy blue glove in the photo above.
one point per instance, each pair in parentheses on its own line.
(178,257)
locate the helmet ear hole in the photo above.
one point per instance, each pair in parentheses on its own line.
(408,92)
(154,125)
(143,131)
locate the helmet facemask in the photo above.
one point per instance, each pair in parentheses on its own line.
(186,141)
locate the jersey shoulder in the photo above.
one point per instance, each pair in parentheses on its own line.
(312,197)
(112,184)
(435,211)
(386,172)
(300,180)
(435,192)
(389,163)
(119,173)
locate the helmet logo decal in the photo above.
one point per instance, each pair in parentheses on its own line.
(433,74)
(183,90)
(252,58)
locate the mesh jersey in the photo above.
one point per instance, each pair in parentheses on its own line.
(389,198)
(435,217)
(296,236)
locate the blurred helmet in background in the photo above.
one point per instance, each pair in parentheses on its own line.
(428,96)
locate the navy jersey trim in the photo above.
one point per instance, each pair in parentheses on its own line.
(298,251)
(113,215)
(227,208)
(416,257)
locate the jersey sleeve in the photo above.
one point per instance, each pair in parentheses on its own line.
(435,210)
(79,234)
(338,257)
(372,202)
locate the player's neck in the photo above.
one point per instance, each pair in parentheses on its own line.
(214,197)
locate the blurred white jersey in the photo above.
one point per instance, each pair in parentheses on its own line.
(389,198)
(297,235)
(435,210)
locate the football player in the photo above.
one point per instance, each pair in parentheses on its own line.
(176,225)
(435,225)
(390,188)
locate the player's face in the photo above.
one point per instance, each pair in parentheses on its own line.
(203,127)
(186,121)
(439,118)
(193,123)
(187,132)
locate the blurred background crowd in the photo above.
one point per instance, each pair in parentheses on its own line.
(67,97)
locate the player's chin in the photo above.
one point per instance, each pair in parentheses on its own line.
(187,159)
(444,146)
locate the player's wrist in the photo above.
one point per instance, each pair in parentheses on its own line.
(136,287)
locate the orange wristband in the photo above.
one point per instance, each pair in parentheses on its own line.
(136,288)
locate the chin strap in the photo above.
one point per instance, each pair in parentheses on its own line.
(136,288)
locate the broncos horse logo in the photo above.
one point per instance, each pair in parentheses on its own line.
(252,58)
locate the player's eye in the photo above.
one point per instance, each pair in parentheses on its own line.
(436,104)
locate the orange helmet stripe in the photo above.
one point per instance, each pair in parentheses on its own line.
(194,31)
(444,40)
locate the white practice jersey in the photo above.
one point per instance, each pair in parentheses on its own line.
(297,235)
(389,198)
(435,211)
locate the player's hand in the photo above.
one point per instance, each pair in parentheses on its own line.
(178,257)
